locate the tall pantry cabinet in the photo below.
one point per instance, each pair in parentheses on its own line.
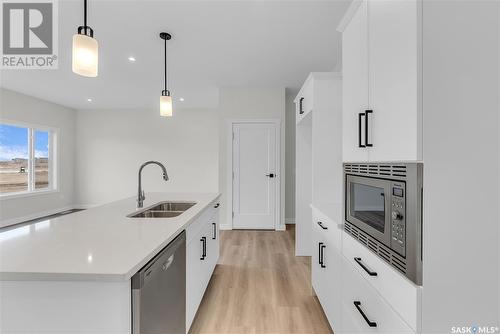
(421,81)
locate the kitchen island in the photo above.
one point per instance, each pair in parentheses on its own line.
(73,273)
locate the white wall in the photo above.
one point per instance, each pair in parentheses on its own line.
(290,126)
(247,103)
(461,87)
(22,108)
(112,144)
(102,150)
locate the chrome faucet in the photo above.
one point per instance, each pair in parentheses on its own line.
(140,193)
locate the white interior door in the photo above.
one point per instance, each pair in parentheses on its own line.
(255,182)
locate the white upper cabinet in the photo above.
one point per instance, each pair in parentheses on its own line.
(393,91)
(355,84)
(304,100)
(381,61)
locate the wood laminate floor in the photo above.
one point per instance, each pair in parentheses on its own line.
(260,286)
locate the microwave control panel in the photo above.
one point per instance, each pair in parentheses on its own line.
(398,220)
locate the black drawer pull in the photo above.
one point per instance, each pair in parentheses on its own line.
(370,323)
(362,265)
(301,105)
(360,136)
(203,248)
(216,205)
(322,226)
(366,128)
(321,255)
(214,235)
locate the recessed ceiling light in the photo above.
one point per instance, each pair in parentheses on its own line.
(89,100)
(131,59)
(181,99)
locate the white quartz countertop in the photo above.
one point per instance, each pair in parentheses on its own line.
(334,211)
(101,243)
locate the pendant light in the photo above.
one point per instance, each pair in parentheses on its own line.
(165,98)
(85,49)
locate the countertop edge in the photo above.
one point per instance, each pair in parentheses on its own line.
(327,213)
(104,277)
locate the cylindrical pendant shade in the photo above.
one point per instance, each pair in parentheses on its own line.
(85,55)
(165,106)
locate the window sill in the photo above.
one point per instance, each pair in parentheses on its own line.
(28,194)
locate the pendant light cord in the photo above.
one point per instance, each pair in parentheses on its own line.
(85,15)
(165,64)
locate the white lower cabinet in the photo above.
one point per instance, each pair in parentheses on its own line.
(353,300)
(213,243)
(325,267)
(402,294)
(363,309)
(202,254)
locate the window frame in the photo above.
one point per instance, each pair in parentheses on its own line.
(53,141)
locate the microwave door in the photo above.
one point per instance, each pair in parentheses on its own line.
(368,206)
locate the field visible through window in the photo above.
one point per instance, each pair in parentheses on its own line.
(15,160)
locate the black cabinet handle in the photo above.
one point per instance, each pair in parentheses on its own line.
(301,105)
(367,112)
(370,323)
(362,265)
(203,248)
(322,226)
(270,175)
(360,136)
(216,205)
(214,235)
(321,254)
(323,265)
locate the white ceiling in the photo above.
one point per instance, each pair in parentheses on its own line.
(215,44)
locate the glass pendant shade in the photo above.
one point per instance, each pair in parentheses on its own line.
(166,106)
(85,55)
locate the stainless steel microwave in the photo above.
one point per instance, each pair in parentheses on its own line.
(383,211)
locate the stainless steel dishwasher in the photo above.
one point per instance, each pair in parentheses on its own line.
(159,292)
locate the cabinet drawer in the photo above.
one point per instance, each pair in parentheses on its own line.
(400,293)
(199,224)
(329,229)
(325,272)
(363,309)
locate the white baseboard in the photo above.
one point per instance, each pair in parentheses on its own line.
(225,227)
(289,220)
(17,220)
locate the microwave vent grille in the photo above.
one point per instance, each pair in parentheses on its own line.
(384,170)
(375,246)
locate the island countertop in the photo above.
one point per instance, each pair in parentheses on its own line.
(100,243)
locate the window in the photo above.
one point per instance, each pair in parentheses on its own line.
(27,159)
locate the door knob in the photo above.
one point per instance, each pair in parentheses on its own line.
(270,175)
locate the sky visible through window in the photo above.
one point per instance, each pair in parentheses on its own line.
(14,143)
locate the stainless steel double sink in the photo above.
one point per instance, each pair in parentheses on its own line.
(163,210)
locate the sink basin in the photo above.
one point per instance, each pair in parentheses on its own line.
(163,210)
(172,206)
